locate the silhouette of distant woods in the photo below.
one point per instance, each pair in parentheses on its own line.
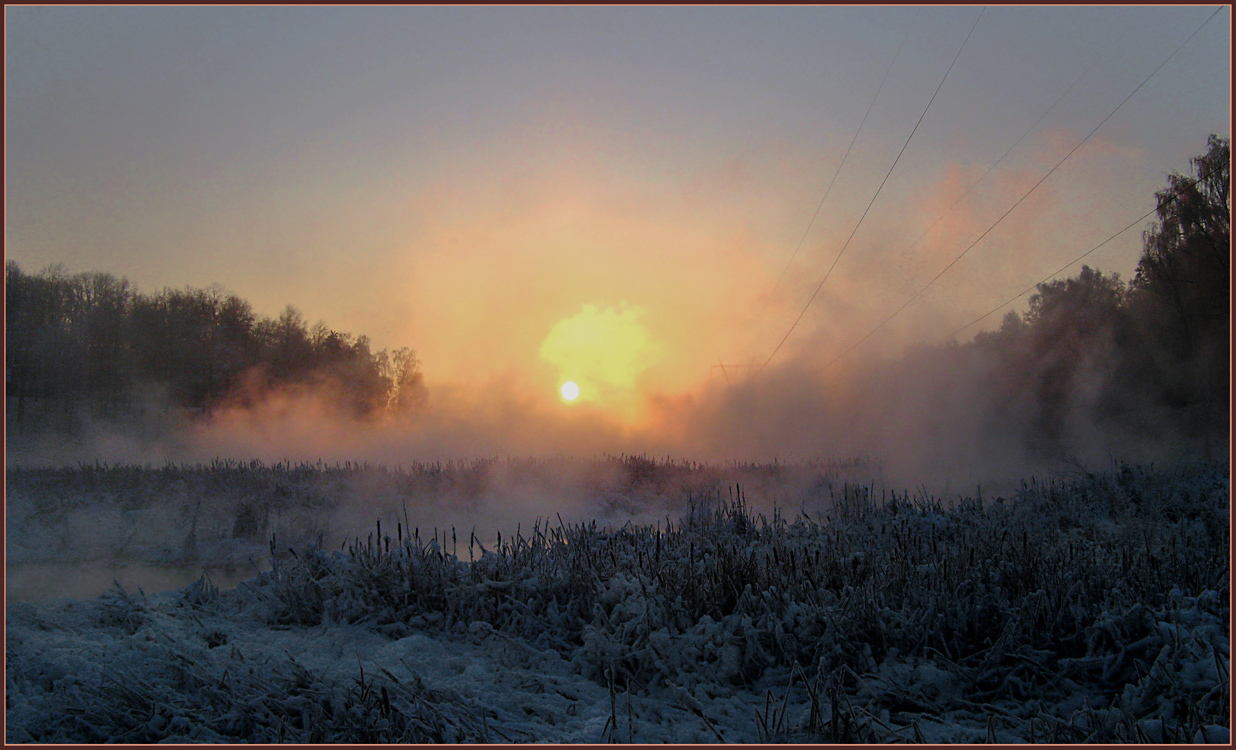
(1151,357)
(90,346)
(1092,363)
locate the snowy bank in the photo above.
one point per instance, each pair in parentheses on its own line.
(1092,609)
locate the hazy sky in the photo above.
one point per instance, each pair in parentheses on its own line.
(469,181)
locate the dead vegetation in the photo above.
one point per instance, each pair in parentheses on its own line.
(1078,610)
(1092,608)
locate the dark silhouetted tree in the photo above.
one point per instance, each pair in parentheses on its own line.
(89,345)
(1152,359)
(1180,292)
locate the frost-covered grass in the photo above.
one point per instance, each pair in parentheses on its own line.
(1088,609)
(82,523)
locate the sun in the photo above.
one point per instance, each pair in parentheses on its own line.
(570,390)
(605,349)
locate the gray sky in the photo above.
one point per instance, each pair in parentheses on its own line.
(460,180)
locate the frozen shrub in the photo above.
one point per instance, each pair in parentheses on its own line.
(1086,608)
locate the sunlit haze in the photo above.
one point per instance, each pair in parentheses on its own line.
(396,374)
(578,217)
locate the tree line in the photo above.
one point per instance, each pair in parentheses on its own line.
(1151,357)
(90,345)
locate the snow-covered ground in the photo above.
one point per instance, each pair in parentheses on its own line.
(1094,608)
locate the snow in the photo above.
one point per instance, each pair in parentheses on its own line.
(1065,613)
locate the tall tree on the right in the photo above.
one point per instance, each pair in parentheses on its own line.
(1180,295)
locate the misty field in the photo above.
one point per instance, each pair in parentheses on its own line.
(617,600)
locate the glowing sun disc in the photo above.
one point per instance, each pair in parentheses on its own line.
(570,391)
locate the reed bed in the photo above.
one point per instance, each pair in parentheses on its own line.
(1105,586)
(1090,608)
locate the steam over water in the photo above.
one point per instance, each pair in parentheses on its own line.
(74,532)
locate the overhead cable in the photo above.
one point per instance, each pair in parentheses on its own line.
(844,156)
(1164,204)
(1020,200)
(873,198)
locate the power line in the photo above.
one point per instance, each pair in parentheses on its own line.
(1170,199)
(724,371)
(839,166)
(873,198)
(1007,151)
(831,182)
(1023,198)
